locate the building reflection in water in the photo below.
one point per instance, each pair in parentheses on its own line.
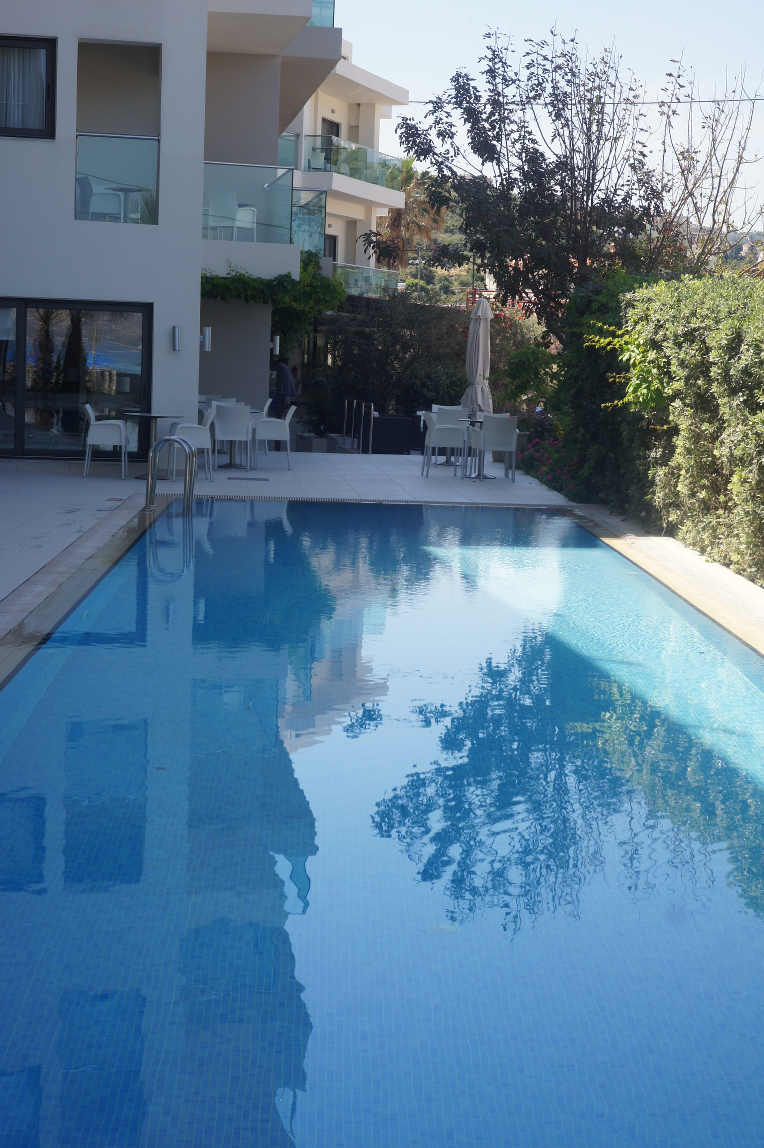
(22,843)
(100,1049)
(105,807)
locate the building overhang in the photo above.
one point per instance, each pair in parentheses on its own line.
(263,260)
(306,62)
(255,27)
(354,85)
(353,193)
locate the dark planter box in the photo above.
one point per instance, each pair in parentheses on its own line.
(393,434)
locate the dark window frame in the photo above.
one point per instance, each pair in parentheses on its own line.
(22,305)
(49,131)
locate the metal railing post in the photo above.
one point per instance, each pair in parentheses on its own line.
(188,478)
(371,426)
(352,425)
(345,425)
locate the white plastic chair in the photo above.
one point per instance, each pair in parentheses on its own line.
(499,433)
(257,415)
(450,437)
(107,432)
(106,203)
(224,212)
(448,417)
(200,439)
(232,424)
(274,430)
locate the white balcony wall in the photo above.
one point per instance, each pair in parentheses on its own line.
(46,253)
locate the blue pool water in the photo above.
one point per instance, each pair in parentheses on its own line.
(339,825)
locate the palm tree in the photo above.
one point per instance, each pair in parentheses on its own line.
(415,224)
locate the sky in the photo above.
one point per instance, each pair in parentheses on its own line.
(420,43)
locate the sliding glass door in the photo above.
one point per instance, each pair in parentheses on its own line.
(8,328)
(74,355)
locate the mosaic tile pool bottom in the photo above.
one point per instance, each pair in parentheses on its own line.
(339,825)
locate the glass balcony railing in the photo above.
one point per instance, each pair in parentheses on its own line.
(309,219)
(288,152)
(328,153)
(117,179)
(247,203)
(366,280)
(323,14)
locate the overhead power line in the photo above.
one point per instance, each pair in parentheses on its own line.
(658,103)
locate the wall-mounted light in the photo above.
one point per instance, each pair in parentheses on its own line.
(206,338)
(176,338)
(276,344)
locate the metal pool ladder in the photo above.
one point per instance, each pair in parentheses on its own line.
(188,476)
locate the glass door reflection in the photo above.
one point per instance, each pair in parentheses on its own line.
(74,357)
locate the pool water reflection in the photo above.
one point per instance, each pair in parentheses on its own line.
(392,825)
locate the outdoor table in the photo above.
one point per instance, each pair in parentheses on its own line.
(481,475)
(125,192)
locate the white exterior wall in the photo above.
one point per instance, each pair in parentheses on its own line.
(46,253)
(356,100)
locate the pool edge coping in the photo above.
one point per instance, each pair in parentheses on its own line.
(751,634)
(24,637)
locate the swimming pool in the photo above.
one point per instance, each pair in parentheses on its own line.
(338,824)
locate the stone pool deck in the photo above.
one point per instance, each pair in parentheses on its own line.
(52,522)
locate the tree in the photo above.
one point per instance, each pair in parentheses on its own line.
(408,227)
(548,158)
(702,158)
(294,302)
(551,179)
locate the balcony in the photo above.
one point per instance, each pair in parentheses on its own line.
(117,179)
(323,14)
(309,219)
(342,157)
(245,203)
(366,280)
(288,149)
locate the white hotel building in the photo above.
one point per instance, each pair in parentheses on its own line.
(142,143)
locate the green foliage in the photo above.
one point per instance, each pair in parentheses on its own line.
(707,338)
(613,444)
(294,302)
(531,369)
(392,352)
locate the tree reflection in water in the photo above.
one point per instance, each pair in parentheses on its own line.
(553,773)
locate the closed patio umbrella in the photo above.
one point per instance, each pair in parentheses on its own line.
(477,397)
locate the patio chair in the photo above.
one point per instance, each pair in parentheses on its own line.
(106,203)
(499,433)
(274,430)
(199,438)
(257,415)
(232,424)
(448,417)
(450,437)
(106,432)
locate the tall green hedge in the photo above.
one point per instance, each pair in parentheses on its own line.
(611,446)
(695,348)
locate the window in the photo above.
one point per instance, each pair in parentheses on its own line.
(27,87)
(56,357)
(330,247)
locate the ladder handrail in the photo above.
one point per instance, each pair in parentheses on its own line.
(188,477)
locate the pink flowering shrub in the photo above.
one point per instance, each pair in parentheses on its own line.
(552,463)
